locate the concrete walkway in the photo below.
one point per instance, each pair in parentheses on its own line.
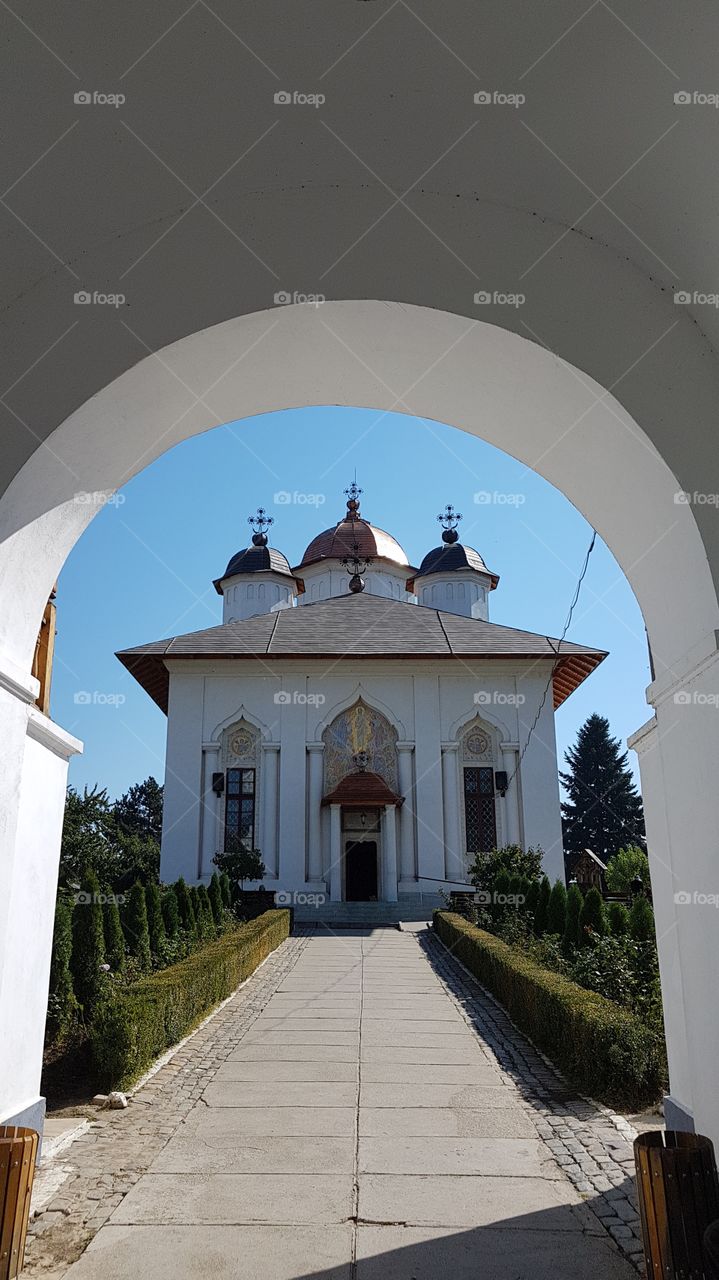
(362,1127)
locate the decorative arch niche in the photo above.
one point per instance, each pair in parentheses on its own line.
(360,730)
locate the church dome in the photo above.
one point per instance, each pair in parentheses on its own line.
(258,559)
(353,535)
(453,556)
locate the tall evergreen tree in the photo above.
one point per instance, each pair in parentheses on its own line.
(603,810)
(572,936)
(114,937)
(88,943)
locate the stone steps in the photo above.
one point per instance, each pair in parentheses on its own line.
(416,907)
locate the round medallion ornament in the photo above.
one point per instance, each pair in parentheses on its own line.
(242,744)
(477,743)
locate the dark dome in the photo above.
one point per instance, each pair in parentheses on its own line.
(451,556)
(254,559)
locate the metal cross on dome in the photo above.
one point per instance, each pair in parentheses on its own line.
(449,519)
(260,523)
(352,493)
(356,565)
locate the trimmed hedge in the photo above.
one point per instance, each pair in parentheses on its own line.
(140,1021)
(604,1050)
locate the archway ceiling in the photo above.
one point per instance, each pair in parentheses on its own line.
(200,197)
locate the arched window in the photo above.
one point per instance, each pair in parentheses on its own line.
(478,756)
(240,751)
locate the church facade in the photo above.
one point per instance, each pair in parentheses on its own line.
(359,721)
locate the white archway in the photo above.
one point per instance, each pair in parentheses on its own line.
(484,380)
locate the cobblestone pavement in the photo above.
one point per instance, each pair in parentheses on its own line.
(360,1108)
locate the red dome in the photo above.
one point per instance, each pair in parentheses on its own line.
(350,532)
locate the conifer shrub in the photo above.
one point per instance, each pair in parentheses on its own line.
(541,912)
(215,895)
(572,932)
(88,944)
(617,919)
(604,1050)
(138,1022)
(135,928)
(115,953)
(62,1008)
(206,919)
(170,911)
(155,921)
(592,918)
(532,900)
(557,909)
(226,889)
(641,920)
(185,908)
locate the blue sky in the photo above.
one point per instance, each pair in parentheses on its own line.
(144,567)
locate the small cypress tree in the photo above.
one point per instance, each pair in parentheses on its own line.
(196,910)
(641,920)
(572,932)
(226,888)
(216,903)
(135,926)
(206,918)
(170,911)
(185,908)
(114,937)
(530,905)
(592,918)
(155,922)
(557,909)
(617,919)
(62,1004)
(541,914)
(501,889)
(88,944)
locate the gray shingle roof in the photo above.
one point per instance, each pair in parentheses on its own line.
(359,626)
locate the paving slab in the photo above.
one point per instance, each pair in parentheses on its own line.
(237,1198)
(229,1124)
(431,1122)
(423,1073)
(216,1253)
(256,1051)
(472,1201)
(486,1090)
(503,1157)
(486,1253)
(288,1093)
(278,1072)
(461,1052)
(269,1154)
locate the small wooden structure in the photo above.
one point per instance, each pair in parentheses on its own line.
(18,1152)
(678,1194)
(588,870)
(44,653)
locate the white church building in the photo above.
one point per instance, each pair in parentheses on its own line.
(359,721)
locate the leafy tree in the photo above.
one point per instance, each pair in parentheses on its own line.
(641,920)
(114,937)
(511,858)
(240,864)
(557,909)
(216,903)
(155,921)
(88,944)
(603,810)
(135,926)
(617,919)
(62,1004)
(572,933)
(624,867)
(541,914)
(592,919)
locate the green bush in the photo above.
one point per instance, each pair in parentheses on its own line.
(170,911)
(135,927)
(139,1022)
(62,1005)
(541,913)
(617,919)
(592,919)
(557,909)
(215,895)
(206,919)
(114,937)
(603,1049)
(226,888)
(511,858)
(532,900)
(641,920)
(184,904)
(155,921)
(572,934)
(625,866)
(88,944)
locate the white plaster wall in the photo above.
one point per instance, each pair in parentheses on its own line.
(27,933)
(243,598)
(461,593)
(183,779)
(327,579)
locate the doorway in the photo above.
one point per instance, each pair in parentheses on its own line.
(361,871)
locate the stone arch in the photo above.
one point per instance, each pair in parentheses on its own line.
(359,692)
(360,728)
